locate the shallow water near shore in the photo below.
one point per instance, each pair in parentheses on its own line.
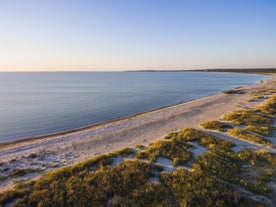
(33,104)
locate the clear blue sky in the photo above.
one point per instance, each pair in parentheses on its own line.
(136,34)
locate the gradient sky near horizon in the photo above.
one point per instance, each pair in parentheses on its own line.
(75,35)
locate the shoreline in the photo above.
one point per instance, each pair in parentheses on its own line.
(85,128)
(91,126)
(55,151)
(113,121)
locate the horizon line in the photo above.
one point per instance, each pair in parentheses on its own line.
(143,70)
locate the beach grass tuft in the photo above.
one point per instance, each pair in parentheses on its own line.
(176,151)
(216,125)
(246,135)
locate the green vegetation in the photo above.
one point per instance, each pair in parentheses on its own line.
(255,98)
(128,184)
(123,152)
(269,107)
(139,146)
(172,135)
(216,125)
(258,171)
(96,182)
(19,173)
(203,138)
(248,117)
(250,169)
(244,134)
(264,130)
(254,121)
(174,150)
(218,162)
(263,91)
(199,189)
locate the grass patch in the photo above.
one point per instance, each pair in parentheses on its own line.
(264,130)
(259,170)
(250,169)
(263,91)
(245,135)
(96,183)
(221,163)
(172,135)
(255,98)
(199,189)
(19,173)
(216,125)
(269,107)
(128,183)
(203,138)
(123,152)
(176,151)
(248,117)
(140,146)
(22,172)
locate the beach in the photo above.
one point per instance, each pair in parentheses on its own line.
(55,151)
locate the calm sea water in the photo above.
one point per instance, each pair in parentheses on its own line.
(33,104)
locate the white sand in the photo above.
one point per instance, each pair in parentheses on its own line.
(142,129)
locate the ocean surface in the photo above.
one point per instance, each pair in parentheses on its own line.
(33,104)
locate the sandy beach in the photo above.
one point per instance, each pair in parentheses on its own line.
(50,152)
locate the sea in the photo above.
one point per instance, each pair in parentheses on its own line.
(39,103)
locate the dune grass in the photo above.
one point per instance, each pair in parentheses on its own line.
(246,135)
(127,184)
(176,151)
(256,98)
(258,121)
(269,107)
(96,182)
(248,117)
(263,91)
(264,130)
(203,138)
(216,125)
(251,169)
(19,173)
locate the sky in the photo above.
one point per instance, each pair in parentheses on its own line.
(111,35)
